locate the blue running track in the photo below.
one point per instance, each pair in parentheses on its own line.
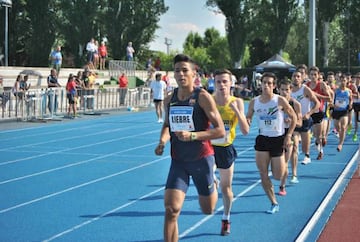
(98,179)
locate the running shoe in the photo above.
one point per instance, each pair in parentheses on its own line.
(273,209)
(294,180)
(355,137)
(225,227)
(320,156)
(282,191)
(349,129)
(306,161)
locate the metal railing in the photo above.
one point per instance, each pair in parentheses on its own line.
(130,68)
(40,104)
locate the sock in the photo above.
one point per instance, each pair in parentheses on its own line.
(226,217)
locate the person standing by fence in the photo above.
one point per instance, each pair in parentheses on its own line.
(123,85)
(52,82)
(158,89)
(71,95)
(56,59)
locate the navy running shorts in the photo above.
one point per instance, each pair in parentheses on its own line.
(201,171)
(306,125)
(224,156)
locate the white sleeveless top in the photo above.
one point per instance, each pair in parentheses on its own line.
(270,118)
(304,101)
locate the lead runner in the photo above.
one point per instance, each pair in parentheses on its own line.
(189,111)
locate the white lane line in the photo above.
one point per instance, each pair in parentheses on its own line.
(73,164)
(102,215)
(81,185)
(72,137)
(317,214)
(77,147)
(202,221)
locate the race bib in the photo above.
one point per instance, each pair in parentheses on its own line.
(268,123)
(223,140)
(180,118)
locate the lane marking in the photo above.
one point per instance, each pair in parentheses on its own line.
(202,221)
(75,148)
(317,214)
(72,164)
(76,227)
(81,185)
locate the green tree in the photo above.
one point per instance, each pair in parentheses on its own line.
(81,16)
(211,51)
(134,21)
(238,14)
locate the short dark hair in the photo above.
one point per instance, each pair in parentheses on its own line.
(269,74)
(285,82)
(157,75)
(314,68)
(222,71)
(302,66)
(183,58)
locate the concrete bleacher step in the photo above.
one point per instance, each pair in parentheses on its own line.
(10,73)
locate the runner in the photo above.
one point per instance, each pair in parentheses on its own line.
(271,141)
(189,111)
(291,151)
(232,112)
(305,97)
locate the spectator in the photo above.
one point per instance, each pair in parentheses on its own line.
(166,79)
(103,55)
(52,82)
(130,52)
(210,84)
(3,96)
(157,64)
(158,89)
(90,49)
(123,85)
(71,94)
(56,59)
(24,85)
(96,55)
(16,88)
(197,80)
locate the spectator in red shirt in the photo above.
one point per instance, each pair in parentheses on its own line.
(103,54)
(71,94)
(123,84)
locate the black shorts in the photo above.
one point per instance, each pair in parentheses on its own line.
(317,117)
(274,145)
(157,100)
(338,114)
(306,125)
(356,107)
(224,156)
(71,98)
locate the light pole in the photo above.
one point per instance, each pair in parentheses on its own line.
(168,42)
(7,4)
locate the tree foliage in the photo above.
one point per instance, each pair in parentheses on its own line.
(210,52)
(41,24)
(255,30)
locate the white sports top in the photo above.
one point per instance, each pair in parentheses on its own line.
(269,117)
(304,101)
